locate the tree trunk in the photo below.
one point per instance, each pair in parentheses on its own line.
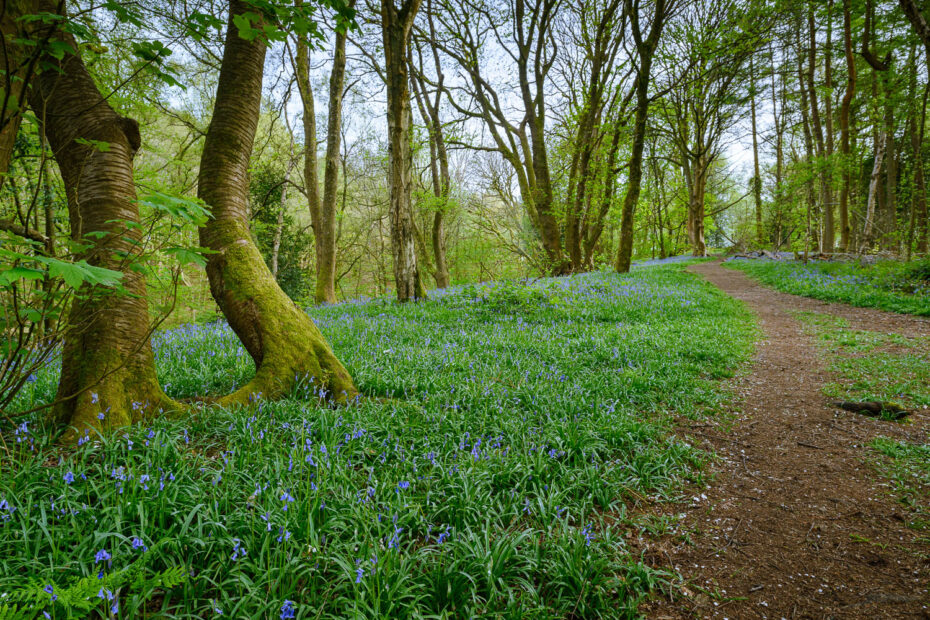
(279,224)
(844,127)
(808,150)
(597,228)
(282,340)
(696,208)
(326,231)
(439,157)
(107,363)
(873,191)
(911,9)
(15,68)
(395,27)
(625,249)
(756,178)
(827,239)
(645,50)
(918,117)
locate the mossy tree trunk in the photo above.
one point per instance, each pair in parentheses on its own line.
(107,361)
(282,340)
(395,26)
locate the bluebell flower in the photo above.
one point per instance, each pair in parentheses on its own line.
(287,609)
(68,477)
(238,550)
(138,544)
(50,590)
(102,556)
(287,498)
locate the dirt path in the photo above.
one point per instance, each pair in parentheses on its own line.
(795,523)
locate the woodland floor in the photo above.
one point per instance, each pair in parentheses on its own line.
(796,523)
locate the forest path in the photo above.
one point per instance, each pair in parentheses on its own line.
(796,523)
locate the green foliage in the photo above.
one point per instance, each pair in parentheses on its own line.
(908,468)
(294,275)
(92,593)
(488,470)
(873,366)
(16,266)
(889,285)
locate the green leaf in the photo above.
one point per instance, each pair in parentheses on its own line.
(191,210)
(190,256)
(76,274)
(14,274)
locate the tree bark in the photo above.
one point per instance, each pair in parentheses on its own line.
(16,68)
(439,156)
(756,178)
(645,50)
(323,213)
(873,191)
(696,207)
(918,21)
(395,28)
(326,272)
(844,126)
(827,238)
(282,340)
(107,361)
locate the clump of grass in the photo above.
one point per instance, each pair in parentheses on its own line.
(907,466)
(889,285)
(487,469)
(873,366)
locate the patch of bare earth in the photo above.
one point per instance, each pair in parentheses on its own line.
(796,523)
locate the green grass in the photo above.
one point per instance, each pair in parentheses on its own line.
(502,439)
(889,285)
(907,466)
(874,366)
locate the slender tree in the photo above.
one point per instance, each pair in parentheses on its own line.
(844,126)
(396,23)
(323,212)
(645,50)
(429,108)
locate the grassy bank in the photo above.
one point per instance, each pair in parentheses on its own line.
(888,285)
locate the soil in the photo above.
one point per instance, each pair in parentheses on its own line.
(796,522)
